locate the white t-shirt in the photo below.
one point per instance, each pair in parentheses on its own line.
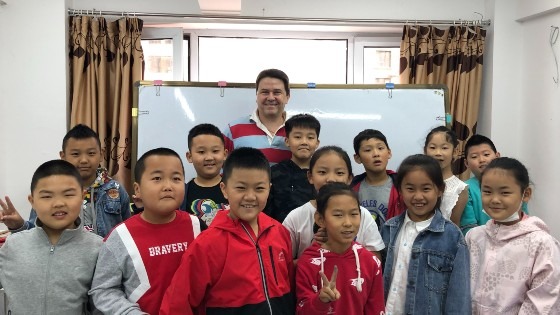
(453,188)
(300,224)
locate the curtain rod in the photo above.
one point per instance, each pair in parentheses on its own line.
(237,18)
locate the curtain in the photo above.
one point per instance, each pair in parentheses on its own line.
(105,60)
(453,57)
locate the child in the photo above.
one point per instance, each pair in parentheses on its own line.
(290,187)
(328,164)
(514,258)
(441,144)
(242,263)
(375,187)
(427,265)
(356,284)
(479,152)
(106,202)
(140,256)
(48,270)
(207,153)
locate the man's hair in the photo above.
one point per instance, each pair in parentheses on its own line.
(366,135)
(204,129)
(478,140)
(80,132)
(141,164)
(276,74)
(55,167)
(245,158)
(306,121)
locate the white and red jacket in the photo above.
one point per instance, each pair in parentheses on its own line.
(359,281)
(230,270)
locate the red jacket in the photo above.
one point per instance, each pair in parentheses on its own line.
(360,283)
(227,270)
(396,205)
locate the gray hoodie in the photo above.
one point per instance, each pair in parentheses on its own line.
(41,278)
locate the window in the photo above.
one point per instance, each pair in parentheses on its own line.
(376,60)
(163,54)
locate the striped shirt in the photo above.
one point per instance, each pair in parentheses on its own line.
(249,131)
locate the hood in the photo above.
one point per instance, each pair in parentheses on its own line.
(222,221)
(527,225)
(353,252)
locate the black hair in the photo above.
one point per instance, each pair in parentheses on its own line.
(333,189)
(450,136)
(141,164)
(307,121)
(204,129)
(55,167)
(330,149)
(514,167)
(80,132)
(425,163)
(276,74)
(245,158)
(366,135)
(478,140)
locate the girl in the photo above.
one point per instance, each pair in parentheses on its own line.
(356,284)
(427,265)
(514,257)
(328,164)
(441,144)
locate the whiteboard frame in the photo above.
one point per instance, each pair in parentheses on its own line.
(139,84)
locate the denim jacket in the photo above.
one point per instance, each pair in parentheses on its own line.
(111,208)
(439,269)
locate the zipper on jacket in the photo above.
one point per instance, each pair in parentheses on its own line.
(273,266)
(261,264)
(51,252)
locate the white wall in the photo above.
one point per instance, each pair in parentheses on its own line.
(33,91)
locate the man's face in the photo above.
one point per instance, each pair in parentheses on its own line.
(271,98)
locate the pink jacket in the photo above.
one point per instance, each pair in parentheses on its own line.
(514,269)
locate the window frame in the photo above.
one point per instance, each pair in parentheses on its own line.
(176,35)
(375,42)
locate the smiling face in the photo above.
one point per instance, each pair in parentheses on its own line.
(207,154)
(302,142)
(247,192)
(329,168)
(478,157)
(341,221)
(440,149)
(161,188)
(501,194)
(271,98)
(58,200)
(374,155)
(85,155)
(419,194)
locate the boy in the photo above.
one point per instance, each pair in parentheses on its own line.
(290,186)
(140,256)
(479,152)
(106,202)
(48,270)
(243,263)
(375,187)
(203,196)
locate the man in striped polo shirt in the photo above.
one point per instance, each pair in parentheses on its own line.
(264,128)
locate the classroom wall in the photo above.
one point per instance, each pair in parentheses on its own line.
(33,91)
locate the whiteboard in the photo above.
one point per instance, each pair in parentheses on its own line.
(163,115)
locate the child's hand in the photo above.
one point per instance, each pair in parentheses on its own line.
(321,236)
(9,215)
(328,292)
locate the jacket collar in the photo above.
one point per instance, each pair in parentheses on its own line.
(437,225)
(66,234)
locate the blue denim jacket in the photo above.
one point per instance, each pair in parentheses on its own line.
(110,211)
(439,269)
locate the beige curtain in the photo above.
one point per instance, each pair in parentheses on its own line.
(451,56)
(105,60)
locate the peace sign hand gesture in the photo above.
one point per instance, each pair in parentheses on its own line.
(328,292)
(9,215)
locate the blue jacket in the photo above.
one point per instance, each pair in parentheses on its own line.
(110,209)
(439,269)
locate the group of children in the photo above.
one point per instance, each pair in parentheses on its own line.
(305,236)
